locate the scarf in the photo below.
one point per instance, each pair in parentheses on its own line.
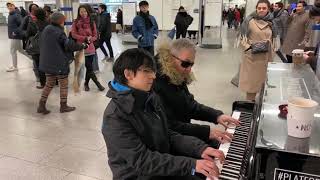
(147,20)
(244,28)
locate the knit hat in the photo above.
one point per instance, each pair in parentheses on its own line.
(57,18)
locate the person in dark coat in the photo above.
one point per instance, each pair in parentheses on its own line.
(231,17)
(23,12)
(25,22)
(119,21)
(54,61)
(140,145)
(182,22)
(280,20)
(34,28)
(105,31)
(174,74)
(145,28)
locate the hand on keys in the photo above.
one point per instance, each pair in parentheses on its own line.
(221,136)
(208,166)
(210,154)
(226,120)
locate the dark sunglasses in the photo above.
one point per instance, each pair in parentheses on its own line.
(184,63)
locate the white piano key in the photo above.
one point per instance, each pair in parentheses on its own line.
(236,114)
(226,177)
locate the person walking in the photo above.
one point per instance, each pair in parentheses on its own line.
(105,31)
(119,24)
(54,61)
(182,22)
(84,30)
(15,36)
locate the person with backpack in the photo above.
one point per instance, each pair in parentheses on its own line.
(25,22)
(23,28)
(84,29)
(182,22)
(105,31)
(33,33)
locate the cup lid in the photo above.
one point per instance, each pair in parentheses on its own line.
(302,102)
(297,51)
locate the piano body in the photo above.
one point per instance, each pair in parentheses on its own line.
(268,152)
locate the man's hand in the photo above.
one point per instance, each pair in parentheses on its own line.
(221,136)
(308,56)
(226,120)
(209,154)
(207,168)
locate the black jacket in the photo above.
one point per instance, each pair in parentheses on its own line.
(183,20)
(139,142)
(105,25)
(33,28)
(54,50)
(14,22)
(180,107)
(119,17)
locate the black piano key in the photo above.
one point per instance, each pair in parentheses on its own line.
(229,166)
(233,162)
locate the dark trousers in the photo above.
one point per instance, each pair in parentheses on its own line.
(89,72)
(89,67)
(42,75)
(150,49)
(106,40)
(289,59)
(181,32)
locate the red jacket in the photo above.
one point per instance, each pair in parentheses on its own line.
(237,15)
(81,29)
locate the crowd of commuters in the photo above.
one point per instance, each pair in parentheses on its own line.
(234,16)
(268,30)
(147,124)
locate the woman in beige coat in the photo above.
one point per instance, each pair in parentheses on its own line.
(297,34)
(256,29)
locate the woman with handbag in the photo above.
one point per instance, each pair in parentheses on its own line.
(85,30)
(256,34)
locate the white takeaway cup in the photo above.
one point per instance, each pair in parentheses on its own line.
(300,116)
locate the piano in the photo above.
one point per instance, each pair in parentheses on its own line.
(261,148)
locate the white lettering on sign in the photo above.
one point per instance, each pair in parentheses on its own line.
(283,174)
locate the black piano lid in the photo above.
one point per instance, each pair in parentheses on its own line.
(285,80)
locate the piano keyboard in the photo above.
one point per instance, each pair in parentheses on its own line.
(235,150)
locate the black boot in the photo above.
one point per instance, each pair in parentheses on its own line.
(65,108)
(42,108)
(86,83)
(95,80)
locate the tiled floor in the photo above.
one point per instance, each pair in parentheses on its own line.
(70,146)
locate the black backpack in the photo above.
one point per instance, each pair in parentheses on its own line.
(32,45)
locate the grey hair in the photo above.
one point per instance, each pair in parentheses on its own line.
(182,44)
